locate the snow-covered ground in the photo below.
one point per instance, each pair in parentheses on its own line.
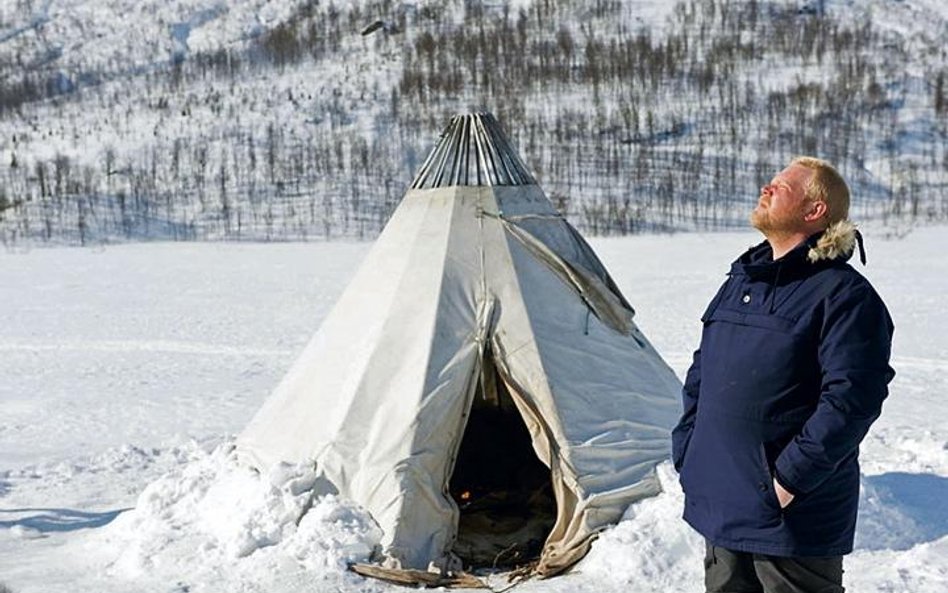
(125,372)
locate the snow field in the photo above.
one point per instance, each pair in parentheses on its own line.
(126,371)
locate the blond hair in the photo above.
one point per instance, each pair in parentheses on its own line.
(827,185)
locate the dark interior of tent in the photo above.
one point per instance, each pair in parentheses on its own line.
(504,492)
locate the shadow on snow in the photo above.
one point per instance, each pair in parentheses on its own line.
(900,510)
(57,520)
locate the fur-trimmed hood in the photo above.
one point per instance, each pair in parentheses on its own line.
(836,244)
(838,240)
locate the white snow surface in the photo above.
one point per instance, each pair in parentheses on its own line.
(126,371)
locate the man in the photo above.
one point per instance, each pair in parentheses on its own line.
(792,369)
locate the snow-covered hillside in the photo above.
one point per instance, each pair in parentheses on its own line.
(277,120)
(125,371)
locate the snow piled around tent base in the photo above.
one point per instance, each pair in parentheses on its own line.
(212,519)
(216,515)
(214,522)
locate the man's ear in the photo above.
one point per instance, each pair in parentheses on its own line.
(816,210)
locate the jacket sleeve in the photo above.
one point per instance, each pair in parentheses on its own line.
(681,434)
(855,344)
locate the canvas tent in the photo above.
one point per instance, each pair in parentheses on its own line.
(480,353)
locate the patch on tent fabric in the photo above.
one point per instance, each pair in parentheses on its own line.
(460,580)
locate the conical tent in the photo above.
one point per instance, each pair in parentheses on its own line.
(478,304)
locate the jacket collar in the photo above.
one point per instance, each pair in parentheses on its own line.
(835,244)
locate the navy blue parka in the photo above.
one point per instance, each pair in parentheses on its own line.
(792,370)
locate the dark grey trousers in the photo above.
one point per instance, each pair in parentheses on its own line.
(726,571)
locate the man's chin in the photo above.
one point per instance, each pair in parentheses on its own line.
(758,221)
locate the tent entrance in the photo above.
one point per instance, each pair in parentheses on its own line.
(503,491)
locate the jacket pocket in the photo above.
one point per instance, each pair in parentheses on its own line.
(751,319)
(766,485)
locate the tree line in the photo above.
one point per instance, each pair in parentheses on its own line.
(628,130)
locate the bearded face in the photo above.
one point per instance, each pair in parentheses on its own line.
(782,205)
